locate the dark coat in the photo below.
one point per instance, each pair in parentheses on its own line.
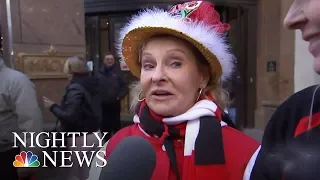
(75,112)
(289,151)
(112,84)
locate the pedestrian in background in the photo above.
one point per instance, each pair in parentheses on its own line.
(19,112)
(113,89)
(78,112)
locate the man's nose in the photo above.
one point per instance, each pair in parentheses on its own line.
(295,17)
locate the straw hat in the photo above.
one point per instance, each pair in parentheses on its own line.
(197,22)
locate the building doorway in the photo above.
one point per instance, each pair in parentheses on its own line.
(242,86)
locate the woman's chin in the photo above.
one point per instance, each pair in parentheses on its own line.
(162,109)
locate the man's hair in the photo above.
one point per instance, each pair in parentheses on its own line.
(108,53)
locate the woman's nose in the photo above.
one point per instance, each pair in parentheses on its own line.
(159,74)
(295,18)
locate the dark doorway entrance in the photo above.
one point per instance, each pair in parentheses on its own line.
(242,38)
(102,25)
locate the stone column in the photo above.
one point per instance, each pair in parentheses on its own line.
(275,44)
(5,32)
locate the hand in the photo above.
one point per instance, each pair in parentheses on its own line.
(47,102)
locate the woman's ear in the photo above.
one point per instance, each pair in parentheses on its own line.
(204,82)
(204,79)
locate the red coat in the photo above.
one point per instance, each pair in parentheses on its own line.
(238,149)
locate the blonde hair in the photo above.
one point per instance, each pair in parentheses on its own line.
(220,95)
(75,64)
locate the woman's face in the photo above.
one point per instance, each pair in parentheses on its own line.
(305,15)
(170,76)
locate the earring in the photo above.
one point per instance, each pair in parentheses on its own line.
(200,92)
(139,99)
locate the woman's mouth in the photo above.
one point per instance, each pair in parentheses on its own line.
(161,95)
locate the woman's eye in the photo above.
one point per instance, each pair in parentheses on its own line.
(147,66)
(176,64)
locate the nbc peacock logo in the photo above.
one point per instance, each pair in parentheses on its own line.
(26,160)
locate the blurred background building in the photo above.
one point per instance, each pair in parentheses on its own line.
(272,63)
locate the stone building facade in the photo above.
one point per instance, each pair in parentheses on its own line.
(38,36)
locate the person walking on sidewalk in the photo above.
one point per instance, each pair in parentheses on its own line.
(78,112)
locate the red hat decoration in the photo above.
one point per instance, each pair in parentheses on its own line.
(201,11)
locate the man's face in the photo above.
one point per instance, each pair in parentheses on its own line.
(305,16)
(108,60)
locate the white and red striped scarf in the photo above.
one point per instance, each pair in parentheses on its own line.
(200,127)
